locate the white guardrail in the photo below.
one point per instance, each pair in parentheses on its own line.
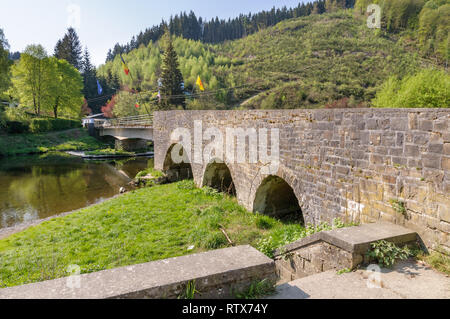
(132,121)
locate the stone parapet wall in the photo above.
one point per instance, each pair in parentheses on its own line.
(361,165)
(218,274)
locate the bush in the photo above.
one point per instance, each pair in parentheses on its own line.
(427,89)
(50,125)
(14,127)
(386,253)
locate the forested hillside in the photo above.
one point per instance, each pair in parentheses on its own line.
(327,60)
(191,27)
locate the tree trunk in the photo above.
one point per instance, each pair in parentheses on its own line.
(55,108)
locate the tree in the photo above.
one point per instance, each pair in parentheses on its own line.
(32,77)
(124,105)
(428,88)
(5,63)
(69,48)
(434,29)
(172,91)
(66,88)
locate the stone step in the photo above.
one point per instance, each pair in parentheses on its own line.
(336,249)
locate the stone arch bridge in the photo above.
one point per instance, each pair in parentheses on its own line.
(361,165)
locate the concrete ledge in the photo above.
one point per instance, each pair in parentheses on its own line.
(217,274)
(356,239)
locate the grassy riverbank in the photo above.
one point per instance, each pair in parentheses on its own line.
(71,140)
(141,226)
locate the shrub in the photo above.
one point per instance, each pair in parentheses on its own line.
(14,127)
(427,89)
(386,253)
(49,125)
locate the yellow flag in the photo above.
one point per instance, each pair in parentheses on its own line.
(200,84)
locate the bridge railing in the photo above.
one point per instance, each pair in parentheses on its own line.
(132,121)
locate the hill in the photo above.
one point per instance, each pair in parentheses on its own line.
(327,60)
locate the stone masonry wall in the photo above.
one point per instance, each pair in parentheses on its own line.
(356,164)
(315,259)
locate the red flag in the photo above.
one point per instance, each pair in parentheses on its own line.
(125,66)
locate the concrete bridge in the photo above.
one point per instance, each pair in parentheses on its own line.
(131,133)
(361,165)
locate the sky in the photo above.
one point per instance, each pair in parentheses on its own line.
(103,23)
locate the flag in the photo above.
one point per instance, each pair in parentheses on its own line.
(200,84)
(125,66)
(99,88)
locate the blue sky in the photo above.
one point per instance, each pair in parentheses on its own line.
(103,23)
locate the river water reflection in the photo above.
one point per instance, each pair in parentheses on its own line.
(36,187)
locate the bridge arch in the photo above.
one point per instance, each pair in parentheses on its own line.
(218,176)
(178,168)
(275,197)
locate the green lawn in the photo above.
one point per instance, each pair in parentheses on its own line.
(141,226)
(71,140)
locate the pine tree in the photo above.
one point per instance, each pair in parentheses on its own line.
(172,79)
(69,48)
(89,76)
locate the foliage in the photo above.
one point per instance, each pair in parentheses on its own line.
(5,64)
(32,77)
(73,140)
(124,105)
(427,19)
(172,83)
(399,206)
(66,87)
(428,88)
(109,151)
(292,233)
(386,253)
(344,271)
(438,261)
(434,29)
(264,222)
(396,15)
(141,226)
(190,27)
(190,291)
(285,66)
(69,49)
(47,83)
(15,127)
(43,125)
(258,290)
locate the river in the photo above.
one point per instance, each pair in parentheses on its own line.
(37,187)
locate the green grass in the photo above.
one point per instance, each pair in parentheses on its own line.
(258,290)
(141,226)
(437,261)
(109,151)
(72,140)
